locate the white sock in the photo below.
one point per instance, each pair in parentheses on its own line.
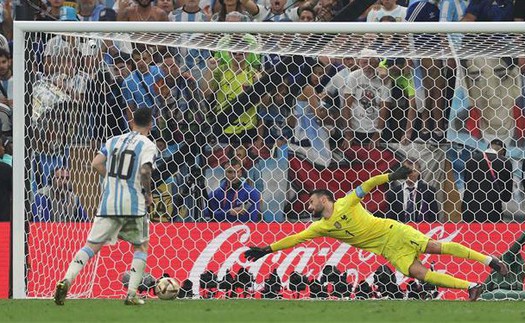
(79,261)
(137,271)
(487,260)
(470,285)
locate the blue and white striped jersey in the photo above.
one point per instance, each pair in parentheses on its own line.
(452,10)
(125,154)
(180,14)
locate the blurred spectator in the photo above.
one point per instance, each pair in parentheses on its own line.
(56,202)
(190,59)
(275,113)
(339,111)
(4,44)
(388,8)
(6,120)
(452,10)
(492,10)
(6,19)
(181,104)
(306,14)
(224,80)
(183,126)
(488,183)
(57,44)
(104,106)
(311,137)
(166,5)
(138,88)
(107,94)
(428,75)
(245,157)
(487,79)
(236,16)
(6,78)
(92,10)
(190,11)
(234,200)
(277,12)
(142,11)
(402,122)
(6,192)
(6,150)
(367,97)
(51,11)
(337,83)
(325,10)
(243,6)
(414,200)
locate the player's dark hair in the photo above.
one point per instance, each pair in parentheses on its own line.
(307,8)
(323,192)
(5,53)
(142,117)
(387,19)
(232,162)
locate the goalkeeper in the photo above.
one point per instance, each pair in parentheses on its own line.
(348,221)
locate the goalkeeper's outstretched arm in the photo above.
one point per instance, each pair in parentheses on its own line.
(356,195)
(255,253)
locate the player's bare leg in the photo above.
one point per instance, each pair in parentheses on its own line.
(81,258)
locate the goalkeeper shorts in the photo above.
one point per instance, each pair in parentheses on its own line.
(404,245)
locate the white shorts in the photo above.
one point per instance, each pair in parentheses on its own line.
(108,229)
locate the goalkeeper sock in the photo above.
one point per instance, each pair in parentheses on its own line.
(444,280)
(137,270)
(79,261)
(458,250)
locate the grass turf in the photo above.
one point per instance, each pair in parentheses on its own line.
(261,311)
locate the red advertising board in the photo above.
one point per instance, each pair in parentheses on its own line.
(5,247)
(187,250)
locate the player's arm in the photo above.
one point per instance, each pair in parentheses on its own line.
(309,233)
(145,180)
(99,164)
(146,170)
(360,192)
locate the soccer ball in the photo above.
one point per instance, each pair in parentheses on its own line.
(167,288)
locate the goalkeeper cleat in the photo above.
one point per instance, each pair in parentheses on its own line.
(61,292)
(499,266)
(134,300)
(474,292)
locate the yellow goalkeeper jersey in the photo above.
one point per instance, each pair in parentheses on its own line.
(350,222)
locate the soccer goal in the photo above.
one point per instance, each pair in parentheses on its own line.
(249,118)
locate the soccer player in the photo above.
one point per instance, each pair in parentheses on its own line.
(126,162)
(348,221)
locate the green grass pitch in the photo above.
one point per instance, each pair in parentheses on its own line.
(261,311)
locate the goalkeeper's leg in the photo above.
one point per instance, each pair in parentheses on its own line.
(81,258)
(422,273)
(458,250)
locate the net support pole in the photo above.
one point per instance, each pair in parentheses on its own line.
(18,234)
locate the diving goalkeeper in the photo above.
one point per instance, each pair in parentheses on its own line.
(348,221)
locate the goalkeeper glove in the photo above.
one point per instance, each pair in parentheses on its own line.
(400,173)
(255,253)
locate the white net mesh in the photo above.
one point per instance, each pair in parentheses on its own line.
(248,125)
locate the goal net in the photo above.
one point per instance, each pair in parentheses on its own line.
(251,118)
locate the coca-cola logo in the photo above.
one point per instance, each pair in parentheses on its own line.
(297,259)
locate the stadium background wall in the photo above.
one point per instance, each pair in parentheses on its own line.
(185,250)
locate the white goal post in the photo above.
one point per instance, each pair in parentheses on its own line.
(492,40)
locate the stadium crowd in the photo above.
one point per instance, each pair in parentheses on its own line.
(225,155)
